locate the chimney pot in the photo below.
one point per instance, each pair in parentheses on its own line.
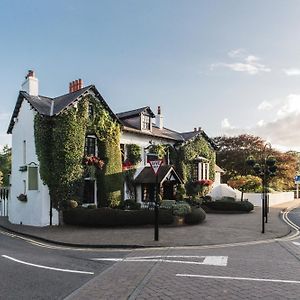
(29,74)
(80,84)
(199,128)
(195,129)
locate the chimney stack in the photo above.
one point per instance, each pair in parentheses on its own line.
(31,84)
(195,129)
(199,128)
(159,120)
(75,85)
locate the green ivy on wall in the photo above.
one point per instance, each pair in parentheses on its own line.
(189,152)
(60,149)
(134,153)
(108,133)
(60,146)
(159,149)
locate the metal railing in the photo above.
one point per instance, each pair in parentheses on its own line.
(4,196)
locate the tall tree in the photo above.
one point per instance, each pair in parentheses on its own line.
(5,164)
(233,152)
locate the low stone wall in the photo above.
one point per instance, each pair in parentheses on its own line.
(274,198)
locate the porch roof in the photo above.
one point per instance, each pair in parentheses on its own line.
(164,173)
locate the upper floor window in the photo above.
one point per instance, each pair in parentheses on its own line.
(24,152)
(146,122)
(201,170)
(122,147)
(91,111)
(90,145)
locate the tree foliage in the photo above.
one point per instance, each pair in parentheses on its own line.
(5,164)
(234,151)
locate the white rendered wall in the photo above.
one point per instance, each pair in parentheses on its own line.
(35,211)
(274,198)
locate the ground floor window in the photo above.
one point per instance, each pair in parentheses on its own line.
(148,192)
(89,192)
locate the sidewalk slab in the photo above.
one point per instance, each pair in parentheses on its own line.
(216,229)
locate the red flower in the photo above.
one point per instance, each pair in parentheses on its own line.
(93,161)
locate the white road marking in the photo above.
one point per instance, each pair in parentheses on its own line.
(296,243)
(45,267)
(238,278)
(207,260)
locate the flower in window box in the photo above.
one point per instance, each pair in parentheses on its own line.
(22,197)
(127,165)
(93,161)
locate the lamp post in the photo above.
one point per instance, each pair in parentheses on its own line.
(265,168)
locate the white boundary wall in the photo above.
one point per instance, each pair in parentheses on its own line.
(274,198)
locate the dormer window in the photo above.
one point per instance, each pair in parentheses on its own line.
(146,122)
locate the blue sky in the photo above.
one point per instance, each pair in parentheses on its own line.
(227,66)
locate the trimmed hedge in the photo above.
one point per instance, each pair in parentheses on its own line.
(242,206)
(196,216)
(114,217)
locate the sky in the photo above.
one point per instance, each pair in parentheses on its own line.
(227,66)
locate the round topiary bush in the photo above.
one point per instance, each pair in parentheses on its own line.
(196,216)
(237,206)
(181,209)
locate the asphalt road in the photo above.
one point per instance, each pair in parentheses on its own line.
(257,270)
(18,280)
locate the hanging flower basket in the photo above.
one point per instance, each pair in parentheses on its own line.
(127,165)
(22,198)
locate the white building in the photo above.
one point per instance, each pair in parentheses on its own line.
(30,201)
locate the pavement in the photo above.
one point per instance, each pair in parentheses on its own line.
(216,229)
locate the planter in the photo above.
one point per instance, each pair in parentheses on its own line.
(178,221)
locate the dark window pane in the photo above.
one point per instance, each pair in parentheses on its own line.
(32,178)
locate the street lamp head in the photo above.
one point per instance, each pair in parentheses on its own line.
(271,161)
(256,168)
(250,161)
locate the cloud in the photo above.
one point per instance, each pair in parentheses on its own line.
(5,139)
(291,105)
(248,63)
(265,105)
(292,72)
(282,132)
(240,52)
(225,124)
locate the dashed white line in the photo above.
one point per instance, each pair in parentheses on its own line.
(46,267)
(238,278)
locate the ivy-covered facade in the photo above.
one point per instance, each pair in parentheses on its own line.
(76,148)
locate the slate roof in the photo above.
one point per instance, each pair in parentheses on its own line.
(47,106)
(147,175)
(135,112)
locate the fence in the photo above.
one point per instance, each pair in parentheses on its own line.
(4,195)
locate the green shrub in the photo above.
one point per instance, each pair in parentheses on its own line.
(194,202)
(181,209)
(196,216)
(167,204)
(132,204)
(243,206)
(227,199)
(114,217)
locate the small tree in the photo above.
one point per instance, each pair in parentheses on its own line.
(1,178)
(248,183)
